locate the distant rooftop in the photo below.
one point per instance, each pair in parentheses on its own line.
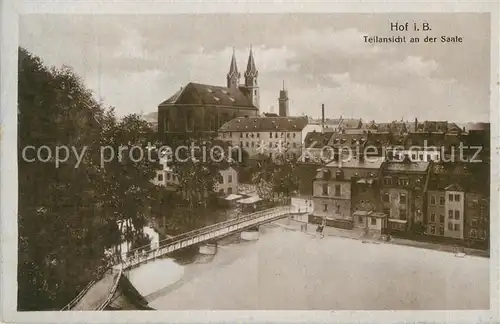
(265,124)
(419,166)
(367,163)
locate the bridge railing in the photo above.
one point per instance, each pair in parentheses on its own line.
(78,297)
(136,257)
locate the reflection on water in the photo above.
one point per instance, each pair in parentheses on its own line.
(293,270)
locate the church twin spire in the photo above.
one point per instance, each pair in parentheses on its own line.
(250,74)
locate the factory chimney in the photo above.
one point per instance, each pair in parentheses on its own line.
(322,117)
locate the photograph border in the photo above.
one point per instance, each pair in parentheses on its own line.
(10,9)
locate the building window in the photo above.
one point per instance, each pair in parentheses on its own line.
(457,197)
(450,197)
(402,198)
(433,217)
(457,214)
(387,211)
(457,227)
(373,221)
(338,209)
(433,200)
(252,144)
(293,135)
(241,135)
(325,207)
(441,218)
(294,145)
(229,178)
(360,219)
(258,135)
(325,189)
(385,197)
(433,229)
(246,144)
(387,181)
(450,214)
(441,229)
(275,135)
(474,222)
(450,226)
(168,176)
(229,190)
(287,135)
(337,190)
(441,201)
(160,177)
(402,214)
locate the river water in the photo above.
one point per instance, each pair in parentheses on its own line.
(292,270)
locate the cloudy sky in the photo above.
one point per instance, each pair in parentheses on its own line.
(136,62)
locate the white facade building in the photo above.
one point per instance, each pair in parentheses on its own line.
(270,136)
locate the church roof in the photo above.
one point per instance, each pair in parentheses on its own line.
(265,124)
(204,94)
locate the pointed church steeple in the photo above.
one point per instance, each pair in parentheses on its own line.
(251,84)
(251,71)
(233,76)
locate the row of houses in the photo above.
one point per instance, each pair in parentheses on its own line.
(435,198)
(295,136)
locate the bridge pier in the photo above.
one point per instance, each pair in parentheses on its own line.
(208,249)
(251,234)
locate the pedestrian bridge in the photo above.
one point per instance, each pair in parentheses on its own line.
(145,254)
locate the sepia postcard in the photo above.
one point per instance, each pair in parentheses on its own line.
(249,162)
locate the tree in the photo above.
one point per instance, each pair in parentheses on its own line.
(68,213)
(198,167)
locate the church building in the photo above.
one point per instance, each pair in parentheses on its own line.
(202,109)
